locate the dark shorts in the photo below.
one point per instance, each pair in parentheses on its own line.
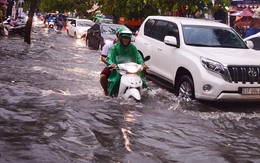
(106,71)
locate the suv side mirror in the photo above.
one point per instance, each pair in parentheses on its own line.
(171,40)
(147,58)
(250,44)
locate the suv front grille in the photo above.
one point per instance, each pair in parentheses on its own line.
(244,74)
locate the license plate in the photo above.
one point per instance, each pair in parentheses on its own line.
(250,91)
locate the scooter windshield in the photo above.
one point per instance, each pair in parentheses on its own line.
(123,59)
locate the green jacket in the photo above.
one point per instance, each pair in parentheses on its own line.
(119,54)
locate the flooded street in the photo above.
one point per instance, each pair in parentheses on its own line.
(52,109)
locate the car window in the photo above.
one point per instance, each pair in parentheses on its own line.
(148,27)
(84,23)
(212,37)
(73,22)
(172,30)
(256,42)
(158,31)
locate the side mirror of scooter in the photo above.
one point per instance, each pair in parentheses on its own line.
(147,58)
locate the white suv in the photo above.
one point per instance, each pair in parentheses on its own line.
(202,59)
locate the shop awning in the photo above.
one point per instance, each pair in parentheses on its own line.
(245,12)
(243,21)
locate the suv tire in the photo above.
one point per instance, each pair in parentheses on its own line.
(185,88)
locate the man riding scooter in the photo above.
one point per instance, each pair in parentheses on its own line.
(122,52)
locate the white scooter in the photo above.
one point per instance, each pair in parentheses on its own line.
(131,83)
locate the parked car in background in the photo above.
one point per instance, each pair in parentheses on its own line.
(100,20)
(201,59)
(255,39)
(77,28)
(99,34)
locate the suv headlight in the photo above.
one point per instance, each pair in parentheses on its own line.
(216,67)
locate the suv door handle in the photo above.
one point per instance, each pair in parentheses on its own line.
(146,43)
(160,49)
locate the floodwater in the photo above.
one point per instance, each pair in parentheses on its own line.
(52,109)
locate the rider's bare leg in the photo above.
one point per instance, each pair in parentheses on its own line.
(104,83)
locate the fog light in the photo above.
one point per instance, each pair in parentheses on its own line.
(207,87)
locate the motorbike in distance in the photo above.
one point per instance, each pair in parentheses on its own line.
(14,26)
(59,25)
(50,22)
(131,84)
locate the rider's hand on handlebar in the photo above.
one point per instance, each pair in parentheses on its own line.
(145,66)
(112,66)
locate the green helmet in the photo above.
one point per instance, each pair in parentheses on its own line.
(123,32)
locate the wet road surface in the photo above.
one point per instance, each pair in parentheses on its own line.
(52,109)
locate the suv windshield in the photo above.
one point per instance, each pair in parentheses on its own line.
(212,37)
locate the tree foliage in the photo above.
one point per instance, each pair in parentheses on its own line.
(128,8)
(135,8)
(78,6)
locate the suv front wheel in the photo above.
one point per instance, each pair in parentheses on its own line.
(185,88)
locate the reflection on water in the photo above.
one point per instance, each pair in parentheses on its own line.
(80,43)
(52,109)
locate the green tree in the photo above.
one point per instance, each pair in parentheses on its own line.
(135,8)
(143,8)
(128,8)
(80,6)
